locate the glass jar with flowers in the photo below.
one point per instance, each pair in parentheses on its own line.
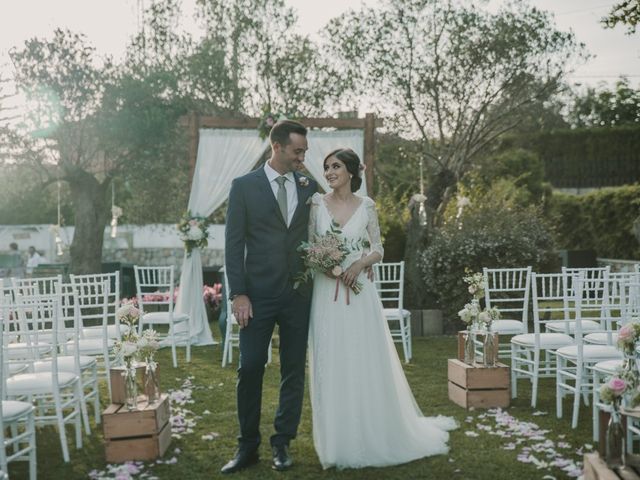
(490,345)
(469,315)
(611,393)
(126,352)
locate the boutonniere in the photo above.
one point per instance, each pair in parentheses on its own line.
(303,181)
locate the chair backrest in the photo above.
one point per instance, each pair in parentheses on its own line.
(548,291)
(70,322)
(113,291)
(92,294)
(34,326)
(155,286)
(36,286)
(389,281)
(508,290)
(630,309)
(585,309)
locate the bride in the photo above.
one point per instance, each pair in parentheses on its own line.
(364,413)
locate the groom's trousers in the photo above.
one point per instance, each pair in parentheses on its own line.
(290,311)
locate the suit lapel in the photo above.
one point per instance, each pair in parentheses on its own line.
(265,186)
(302,198)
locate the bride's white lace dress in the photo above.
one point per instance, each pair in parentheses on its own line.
(364,413)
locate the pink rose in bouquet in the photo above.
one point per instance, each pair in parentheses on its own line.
(617,386)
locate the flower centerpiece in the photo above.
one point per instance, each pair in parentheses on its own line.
(469,315)
(193,232)
(126,349)
(490,346)
(612,393)
(148,344)
(325,254)
(475,282)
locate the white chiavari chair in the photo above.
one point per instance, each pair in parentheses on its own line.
(17,417)
(508,289)
(155,288)
(573,361)
(57,395)
(389,282)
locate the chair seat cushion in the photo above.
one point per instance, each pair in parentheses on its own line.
(507,327)
(17,368)
(163,317)
(395,313)
(591,352)
(20,350)
(90,346)
(37,383)
(112,331)
(12,409)
(547,340)
(609,366)
(587,326)
(66,363)
(601,338)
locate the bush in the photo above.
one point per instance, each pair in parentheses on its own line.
(487,237)
(601,220)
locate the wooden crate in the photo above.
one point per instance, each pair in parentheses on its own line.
(477,386)
(143,434)
(480,335)
(117,382)
(595,468)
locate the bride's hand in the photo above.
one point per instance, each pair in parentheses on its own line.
(350,276)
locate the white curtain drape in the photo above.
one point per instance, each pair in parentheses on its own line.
(322,142)
(222,155)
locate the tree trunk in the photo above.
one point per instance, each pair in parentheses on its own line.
(417,236)
(89,202)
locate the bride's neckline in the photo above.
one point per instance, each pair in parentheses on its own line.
(333,219)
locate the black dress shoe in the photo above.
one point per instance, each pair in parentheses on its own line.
(281,458)
(241,461)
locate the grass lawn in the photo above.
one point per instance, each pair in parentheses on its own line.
(471,456)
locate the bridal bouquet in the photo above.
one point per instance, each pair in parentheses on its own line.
(193,232)
(325,254)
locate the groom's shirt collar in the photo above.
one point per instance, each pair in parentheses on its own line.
(273,174)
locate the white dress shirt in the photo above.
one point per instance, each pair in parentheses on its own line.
(289,185)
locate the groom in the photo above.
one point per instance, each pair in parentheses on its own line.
(267,219)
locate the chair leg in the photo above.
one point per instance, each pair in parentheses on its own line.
(535,377)
(33,466)
(173,346)
(188,342)
(559,368)
(514,365)
(83,406)
(96,401)
(61,430)
(576,398)
(595,411)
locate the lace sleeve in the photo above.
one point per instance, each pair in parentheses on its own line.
(373,227)
(313,216)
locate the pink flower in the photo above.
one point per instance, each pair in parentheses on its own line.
(626,334)
(617,385)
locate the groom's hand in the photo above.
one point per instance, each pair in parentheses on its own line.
(242,310)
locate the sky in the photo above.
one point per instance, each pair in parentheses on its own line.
(109,23)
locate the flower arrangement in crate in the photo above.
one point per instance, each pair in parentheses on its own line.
(193,232)
(132,348)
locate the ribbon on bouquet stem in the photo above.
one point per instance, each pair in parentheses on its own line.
(335,296)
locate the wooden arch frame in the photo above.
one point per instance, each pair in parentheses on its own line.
(193,122)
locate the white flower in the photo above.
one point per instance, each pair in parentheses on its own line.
(126,311)
(303,181)
(129,348)
(484,317)
(465,315)
(195,233)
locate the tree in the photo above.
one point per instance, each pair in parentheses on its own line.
(453,76)
(272,68)
(604,107)
(626,12)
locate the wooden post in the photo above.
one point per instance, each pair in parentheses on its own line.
(194,138)
(369,150)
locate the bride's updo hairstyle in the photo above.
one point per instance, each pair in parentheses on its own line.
(351,162)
